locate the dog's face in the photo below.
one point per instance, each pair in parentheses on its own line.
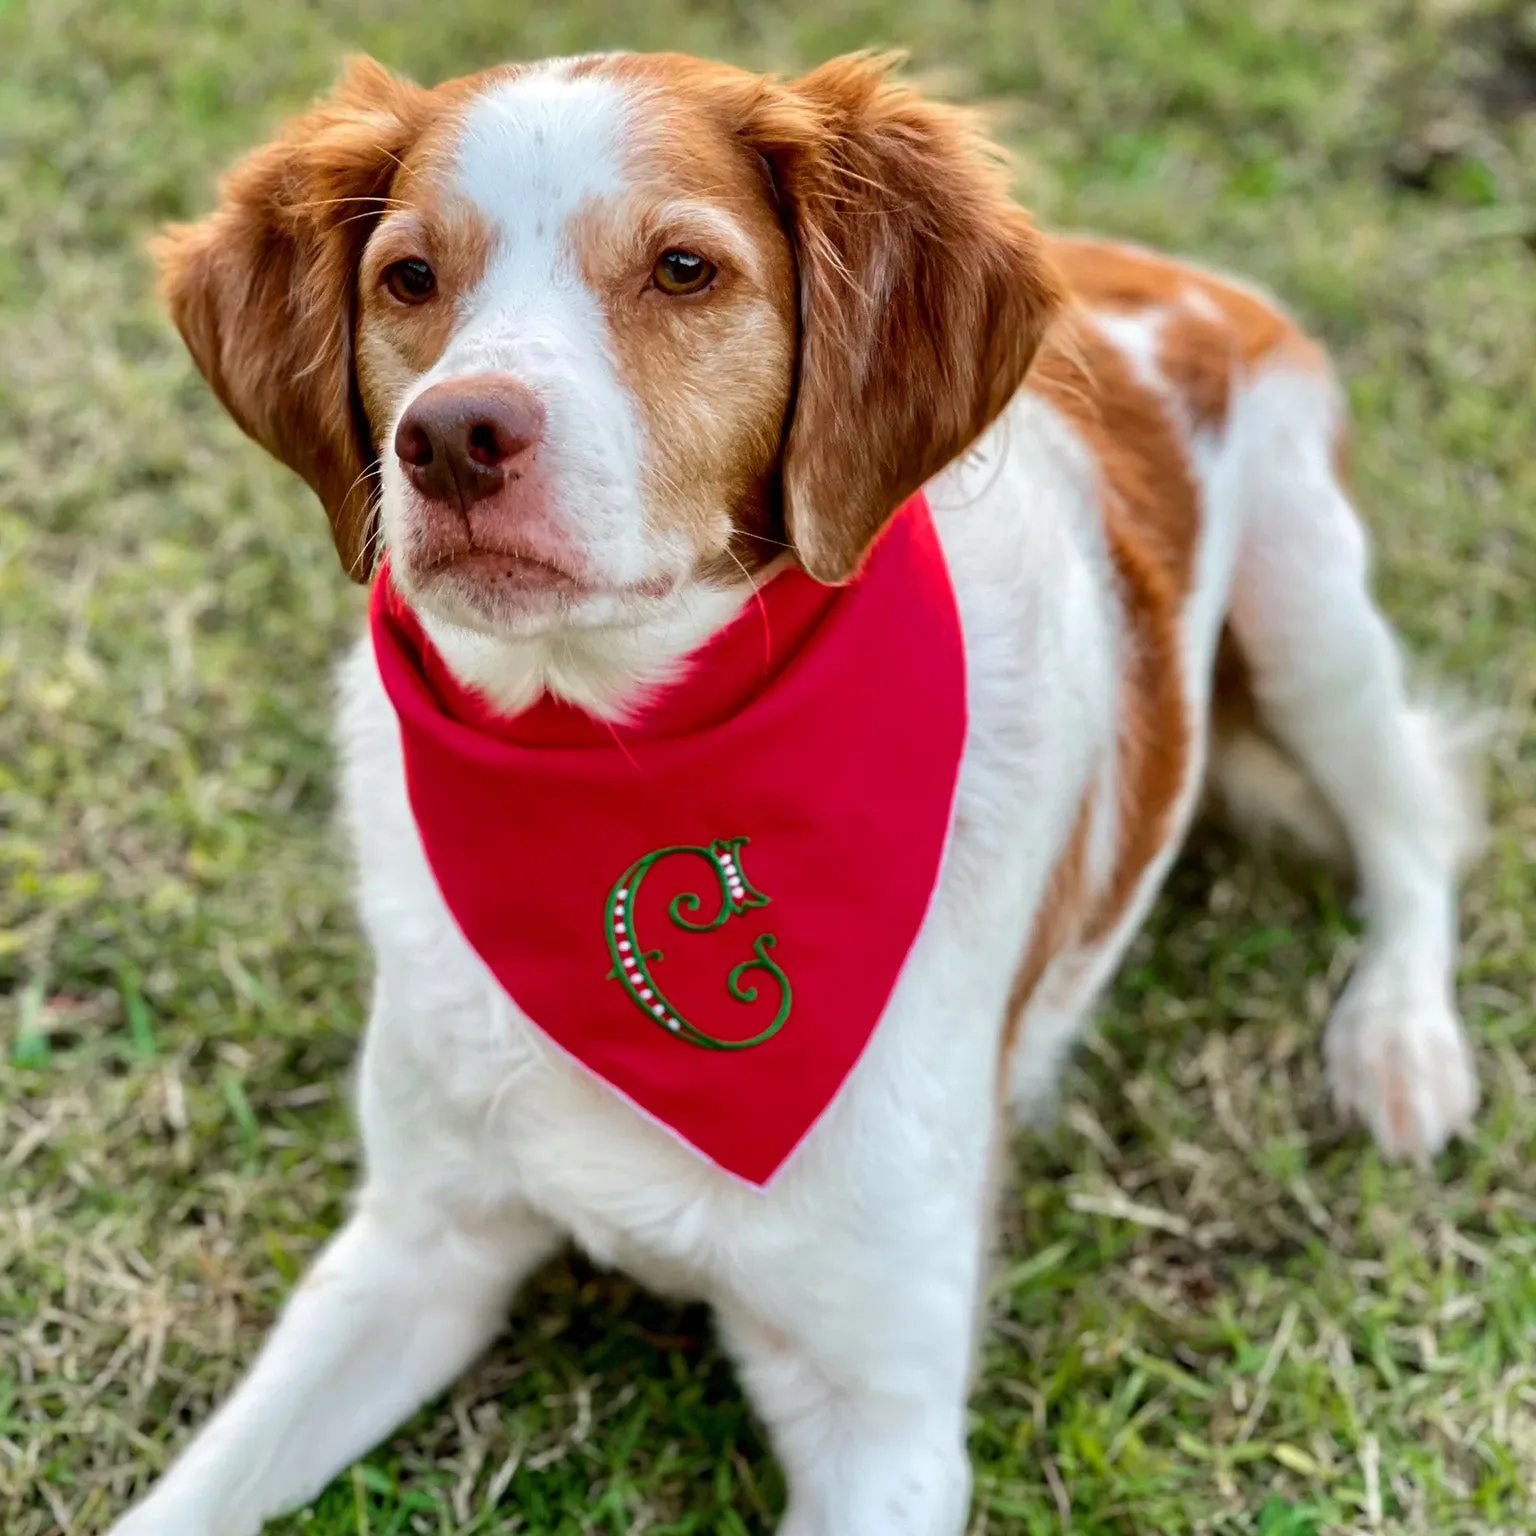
(571,340)
(576,332)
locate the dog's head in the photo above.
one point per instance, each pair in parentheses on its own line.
(571,339)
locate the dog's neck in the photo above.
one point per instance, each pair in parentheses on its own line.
(608,672)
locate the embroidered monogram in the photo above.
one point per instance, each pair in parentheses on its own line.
(632,962)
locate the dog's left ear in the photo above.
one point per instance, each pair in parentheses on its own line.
(924,292)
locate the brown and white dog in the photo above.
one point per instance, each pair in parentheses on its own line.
(661,321)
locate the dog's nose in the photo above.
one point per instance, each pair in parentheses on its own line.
(467,438)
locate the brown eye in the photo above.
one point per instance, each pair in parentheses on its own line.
(410,281)
(680,272)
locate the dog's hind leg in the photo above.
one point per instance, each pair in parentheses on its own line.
(1327,677)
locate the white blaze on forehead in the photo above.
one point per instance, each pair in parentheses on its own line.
(534,151)
(534,146)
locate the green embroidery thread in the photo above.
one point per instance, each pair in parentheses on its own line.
(632,962)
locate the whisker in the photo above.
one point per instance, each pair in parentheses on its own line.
(366,558)
(357,218)
(763,538)
(762,609)
(373,200)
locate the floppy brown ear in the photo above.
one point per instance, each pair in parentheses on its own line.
(924,292)
(263,291)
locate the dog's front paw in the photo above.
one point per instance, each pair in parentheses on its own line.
(1397,1057)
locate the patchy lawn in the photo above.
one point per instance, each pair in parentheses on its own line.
(1216,1309)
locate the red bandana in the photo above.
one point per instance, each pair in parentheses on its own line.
(708,908)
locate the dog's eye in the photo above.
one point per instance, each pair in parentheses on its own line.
(410,281)
(681,272)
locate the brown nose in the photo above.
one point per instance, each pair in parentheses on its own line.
(465,439)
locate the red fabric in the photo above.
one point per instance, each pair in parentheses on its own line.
(823,728)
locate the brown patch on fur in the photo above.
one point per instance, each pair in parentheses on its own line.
(1195,356)
(1151,515)
(264,290)
(1105,275)
(1059,920)
(1214,332)
(1108,275)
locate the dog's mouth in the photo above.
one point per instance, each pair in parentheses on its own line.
(505,578)
(508,570)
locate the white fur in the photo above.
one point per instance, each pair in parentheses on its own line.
(848,1293)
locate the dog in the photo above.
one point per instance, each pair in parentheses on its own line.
(589,361)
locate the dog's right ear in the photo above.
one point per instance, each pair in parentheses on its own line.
(264,289)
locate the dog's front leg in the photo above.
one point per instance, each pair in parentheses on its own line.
(398,1304)
(863,1389)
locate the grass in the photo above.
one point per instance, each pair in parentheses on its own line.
(1216,1310)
